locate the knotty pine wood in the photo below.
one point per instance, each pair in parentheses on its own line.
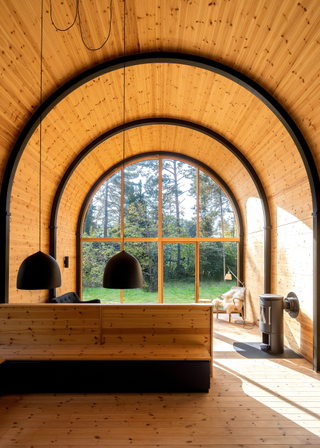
(289,32)
(49,324)
(78,185)
(251,402)
(69,331)
(162,324)
(274,43)
(108,352)
(253,258)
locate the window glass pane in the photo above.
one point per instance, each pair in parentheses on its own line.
(141,185)
(179,220)
(213,257)
(179,273)
(179,199)
(217,218)
(104,212)
(147,254)
(95,255)
(230,229)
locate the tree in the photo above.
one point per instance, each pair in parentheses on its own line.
(103,215)
(176,180)
(179,211)
(88,219)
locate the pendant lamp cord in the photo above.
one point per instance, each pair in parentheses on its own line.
(124,106)
(40,142)
(80,27)
(124,74)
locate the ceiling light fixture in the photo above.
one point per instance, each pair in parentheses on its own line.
(123,271)
(40,270)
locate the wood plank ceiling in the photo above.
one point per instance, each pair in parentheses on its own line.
(274,43)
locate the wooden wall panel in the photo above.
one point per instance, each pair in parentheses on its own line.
(48,324)
(66,248)
(293,271)
(158,324)
(109,153)
(57,331)
(274,43)
(254,258)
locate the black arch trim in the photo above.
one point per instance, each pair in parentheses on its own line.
(177,58)
(173,58)
(170,122)
(153,154)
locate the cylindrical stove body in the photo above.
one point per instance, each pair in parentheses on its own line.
(271,323)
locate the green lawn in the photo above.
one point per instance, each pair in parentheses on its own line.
(173,292)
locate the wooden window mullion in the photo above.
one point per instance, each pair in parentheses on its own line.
(160,243)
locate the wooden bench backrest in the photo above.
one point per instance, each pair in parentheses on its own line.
(106,324)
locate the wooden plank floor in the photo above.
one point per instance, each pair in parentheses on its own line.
(251,403)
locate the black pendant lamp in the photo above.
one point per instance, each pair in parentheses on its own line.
(40,270)
(123,271)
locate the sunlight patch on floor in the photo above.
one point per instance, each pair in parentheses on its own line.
(287,386)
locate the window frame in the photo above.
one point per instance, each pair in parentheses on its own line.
(160,239)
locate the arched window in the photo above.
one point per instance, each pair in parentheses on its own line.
(176,220)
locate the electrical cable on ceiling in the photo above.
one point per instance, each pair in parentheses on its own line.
(80,27)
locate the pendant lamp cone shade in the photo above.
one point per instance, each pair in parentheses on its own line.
(39,271)
(228,276)
(123,271)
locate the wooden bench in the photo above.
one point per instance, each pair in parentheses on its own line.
(146,343)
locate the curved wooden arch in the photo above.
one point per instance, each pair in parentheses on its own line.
(165,57)
(146,155)
(177,58)
(172,122)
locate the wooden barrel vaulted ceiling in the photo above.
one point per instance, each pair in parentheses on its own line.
(274,43)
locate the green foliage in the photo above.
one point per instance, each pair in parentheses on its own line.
(141,199)
(174,292)
(216,214)
(147,254)
(185,269)
(95,256)
(104,211)
(178,199)
(179,207)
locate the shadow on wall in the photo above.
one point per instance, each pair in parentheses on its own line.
(252,298)
(254,257)
(297,335)
(294,269)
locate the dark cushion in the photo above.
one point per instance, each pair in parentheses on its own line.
(72,297)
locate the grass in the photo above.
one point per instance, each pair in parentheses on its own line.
(173,292)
